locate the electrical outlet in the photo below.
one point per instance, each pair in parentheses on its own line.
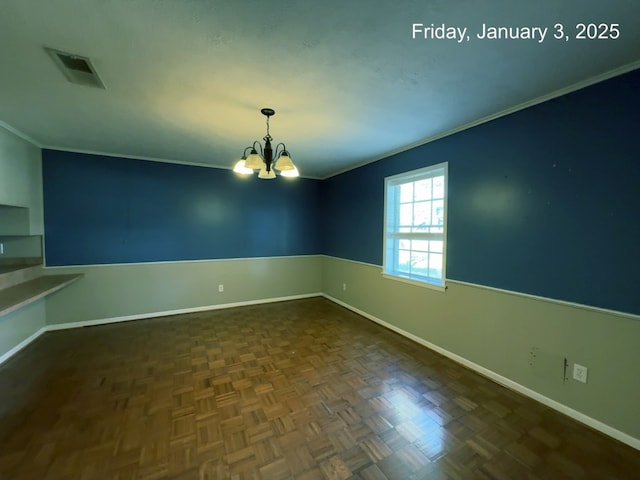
(220,288)
(579,373)
(344,287)
(1,248)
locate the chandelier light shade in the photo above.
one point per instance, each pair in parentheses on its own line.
(290,173)
(268,160)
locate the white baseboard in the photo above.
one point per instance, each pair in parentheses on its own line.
(166,313)
(10,353)
(504,381)
(576,415)
(103,321)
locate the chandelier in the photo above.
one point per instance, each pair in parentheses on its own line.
(264,161)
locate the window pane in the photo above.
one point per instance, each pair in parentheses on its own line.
(406,192)
(404,261)
(415,219)
(421,215)
(419,263)
(422,190)
(438,187)
(406,214)
(420,245)
(435,264)
(438,213)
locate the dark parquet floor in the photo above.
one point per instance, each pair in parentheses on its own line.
(295,390)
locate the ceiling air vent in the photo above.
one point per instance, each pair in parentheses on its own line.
(76,68)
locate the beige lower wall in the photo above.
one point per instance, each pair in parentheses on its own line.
(20,325)
(113,291)
(497,330)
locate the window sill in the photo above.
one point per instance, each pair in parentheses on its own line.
(417,283)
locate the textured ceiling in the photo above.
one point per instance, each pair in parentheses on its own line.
(185,80)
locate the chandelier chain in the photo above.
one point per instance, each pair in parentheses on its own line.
(268,136)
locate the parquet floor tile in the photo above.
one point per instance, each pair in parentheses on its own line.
(301,390)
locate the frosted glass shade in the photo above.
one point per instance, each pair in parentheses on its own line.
(266,175)
(241,168)
(290,173)
(254,161)
(284,162)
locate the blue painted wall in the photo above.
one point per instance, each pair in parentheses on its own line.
(115,210)
(545,201)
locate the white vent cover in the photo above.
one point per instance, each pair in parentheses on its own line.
(76,68)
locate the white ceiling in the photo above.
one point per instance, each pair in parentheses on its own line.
(185,80)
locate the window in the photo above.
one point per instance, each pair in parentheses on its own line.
(416,226)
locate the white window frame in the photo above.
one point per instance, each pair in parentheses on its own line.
(392,235)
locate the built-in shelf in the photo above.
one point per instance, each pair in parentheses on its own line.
(15,263)
(21,275)
(24,293)
(11,275)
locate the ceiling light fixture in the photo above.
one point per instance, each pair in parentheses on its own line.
(264,161)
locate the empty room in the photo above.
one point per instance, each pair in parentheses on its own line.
(340,240)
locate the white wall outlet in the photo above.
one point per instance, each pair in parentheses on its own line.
(579,373)
(344,287)
(1,248)
(220,288)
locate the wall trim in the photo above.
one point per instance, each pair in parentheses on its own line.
(164,262)
(504,381)
(20,134)
(617,313)
(58,148)
(180,311)
(507,111)
(103,321)
(530,103)
(10,353)
(366,264)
